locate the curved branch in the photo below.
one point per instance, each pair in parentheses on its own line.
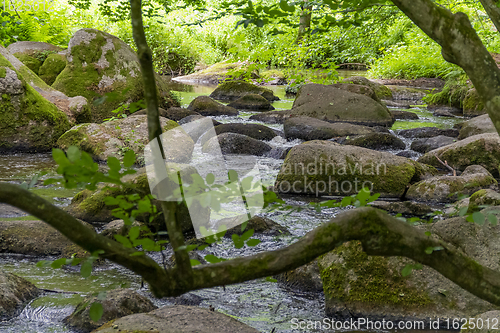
(379,233)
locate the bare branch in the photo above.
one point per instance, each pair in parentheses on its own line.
(446,165)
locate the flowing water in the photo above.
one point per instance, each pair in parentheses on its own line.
(267,306)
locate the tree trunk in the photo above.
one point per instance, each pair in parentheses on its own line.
(305,21)
(493,12)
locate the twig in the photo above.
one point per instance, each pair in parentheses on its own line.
(445,163)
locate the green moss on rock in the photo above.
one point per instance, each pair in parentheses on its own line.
(52,67)
(29,61)
(472,104)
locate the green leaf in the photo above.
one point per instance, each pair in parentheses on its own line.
(407,270)
(210,178)
(123,240)
(346,201)
(429,250)
(114,164)
(463,211)
(478,218)
(60,157)
(134,232)
(428,233)
(73,154)
(247,234)
(212,259)
(195,262)
(58,263)
(86,269)
(129,159)
(253,242)
(270,279)
(96,311)
(492,219)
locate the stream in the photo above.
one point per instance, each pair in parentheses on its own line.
(264,305)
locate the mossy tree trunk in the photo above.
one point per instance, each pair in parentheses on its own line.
(305,21)
(493,12)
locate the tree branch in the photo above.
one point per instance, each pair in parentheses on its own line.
(379,233)
(493,12)
(154,132)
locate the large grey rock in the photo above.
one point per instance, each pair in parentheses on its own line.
(477,125)
(100,63)
(448,188)
(26,47)
(118,303)
(15,292)
(256,131)
(481,149)
(337,105)
(376,141)
(178,319)
(427,144)
(380,90)
(253,102)
(327,168)
(206,106)
(304,278)
(427,132)
(307,128)
(233,143)
(115,137)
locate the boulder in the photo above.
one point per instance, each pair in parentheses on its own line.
(192,118)
(273,77)
(52,67)
(28,122)
(252,102)
(15,292)
(76,108)
(26,47)
(475,126)
(406,94)
(29,61)
(472,104)
(407,208)
(196,126)
(173,113)
(427,144)
(327,168)
(117,227)
(481,149)
(178,319)
(206,106)
(360,286)
(482,198)
(380,90)
(358,89)
(404,115)
(233,143)
(448,188)
(256,131)
(376,141)
(427,132)
(307,128)
(218,72)
(35,238)
(100,63)
(483,323)
(117,303)
(304,278)
(337,105)
(408,154)
(115,137)
(89,205)
(232,90)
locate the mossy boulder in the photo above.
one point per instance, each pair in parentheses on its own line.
(380,90)
(327,168)
(76,108)
(272,117)
(484,197)
(115,137)
(449,188)
(273,77)
(481,149)
(404,115)
(15,292)
(307,128)
(35,238)
(336,105)
(376,141)
(28,122)
(29,61)
(252,102)
(100,63)
(219,72)
(472,104)
(206,106)
(89,205)
(52,67)
(233,143)
(178,319)
(361,286)
(118,303)
(232,90)
(477,125)
(358,89)
(427,144)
